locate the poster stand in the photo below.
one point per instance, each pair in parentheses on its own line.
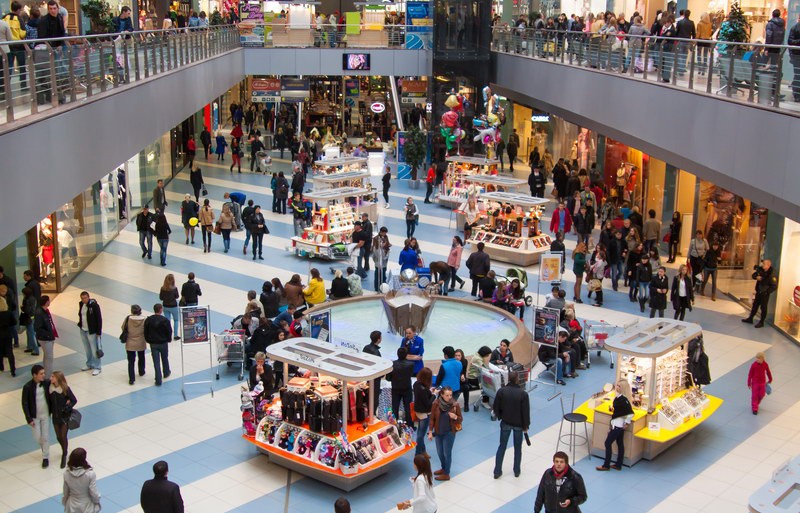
(549,272)
(195,331)
(545,332)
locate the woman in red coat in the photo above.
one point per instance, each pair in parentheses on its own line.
(559,225)
(757,380)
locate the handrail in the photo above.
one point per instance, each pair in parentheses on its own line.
(53,73)
(746,72)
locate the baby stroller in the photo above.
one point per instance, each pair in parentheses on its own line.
(263,162)
(518,274)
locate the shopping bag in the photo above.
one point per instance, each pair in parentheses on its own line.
(769,388)
(75,418)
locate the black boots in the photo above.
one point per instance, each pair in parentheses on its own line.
(642,302)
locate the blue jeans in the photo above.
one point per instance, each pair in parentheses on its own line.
(505,433)
(644,289)
(174,313)
(422,431)
(146,243)
(247,237)
(616,272)
(362,265)
(90,347)
(411,226)
(162,244)
(226,239)
(633,285)
(160,354)
(32,345)
(444,448)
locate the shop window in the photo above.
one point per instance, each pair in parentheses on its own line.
(787,300)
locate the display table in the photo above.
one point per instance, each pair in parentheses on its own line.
(332,220)
(650,356)
(456,186)
(322,452)
(332,166)
(782,493)
(511,232)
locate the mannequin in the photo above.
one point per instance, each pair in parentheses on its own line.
(46,255)
(621,182)
(122,194)
(585,148)
(66,245)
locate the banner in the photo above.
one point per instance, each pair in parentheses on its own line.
(550,267)
(545,326)
(320,325)
(403,169)
(419,35)
(194,321)
(251,27)
(352,87)
(414,92)
(265,90)
(295,89)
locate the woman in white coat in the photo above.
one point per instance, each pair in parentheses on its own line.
(80,485)
(424,500)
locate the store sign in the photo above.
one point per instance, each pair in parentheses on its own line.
(797,295)
(540,118)
(295,89)
(265,90)
(415,86)
(377,107)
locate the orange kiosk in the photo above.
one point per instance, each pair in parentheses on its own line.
(294,437)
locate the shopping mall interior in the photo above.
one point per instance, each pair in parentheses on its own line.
(403,112)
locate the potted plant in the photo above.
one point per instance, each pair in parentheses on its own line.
(416,150)
(792,323)
(99,14)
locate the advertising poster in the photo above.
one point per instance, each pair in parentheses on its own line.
(295,89)
(352,87)
(320,325)
(251,26)
(414,92)
(550,267)
(194,321)
(545,326)
(419,35)
(264,90)
(403,169)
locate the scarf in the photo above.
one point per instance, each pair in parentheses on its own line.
(562,474)
(444,405)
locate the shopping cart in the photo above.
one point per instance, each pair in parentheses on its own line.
(491,381)
(230,349)
(595,334)
(263,162)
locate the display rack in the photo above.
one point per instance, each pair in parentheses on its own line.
(651,356)
(309,429)
(459,184)
(337,165)
(512,233)
(332,219)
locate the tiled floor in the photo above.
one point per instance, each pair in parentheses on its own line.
(127,428)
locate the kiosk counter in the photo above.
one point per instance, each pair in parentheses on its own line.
(308,426)
(651,356)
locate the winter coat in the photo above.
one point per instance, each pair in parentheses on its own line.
(282,188)
(776,31)
(454,258)
(512,406)
(759,374)
(94,318)
(674,292)
(554,222)
(698,362)
(135,341)
(572,488)
(80,491)
(658,301)
(294,294)
(206,216)
(479,263)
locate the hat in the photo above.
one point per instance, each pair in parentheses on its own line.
(574,325)
(562,330)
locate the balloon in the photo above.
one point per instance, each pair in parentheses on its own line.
(193,221)
(385,288)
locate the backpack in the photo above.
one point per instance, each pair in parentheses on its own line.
(17,32)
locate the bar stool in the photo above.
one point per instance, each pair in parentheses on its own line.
(572,439)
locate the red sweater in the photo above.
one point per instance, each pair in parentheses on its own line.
(759,372)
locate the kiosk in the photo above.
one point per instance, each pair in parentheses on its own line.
(457,184)
(358,178)
(511,232)
(308,428)
(333,217)
(332,166)
(651,355)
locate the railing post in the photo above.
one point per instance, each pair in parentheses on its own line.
(674,79)
(126,72)
(645,59)
(776,102)
(161,52)
(9,99)
(136,59)
(72,81)
(87,67)
(101,67)
(709,68)
(692,48)
(146,60)
(32,79)
(751,96)
(53,83)
(731,58)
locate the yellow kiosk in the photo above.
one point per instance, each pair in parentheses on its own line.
(651,355)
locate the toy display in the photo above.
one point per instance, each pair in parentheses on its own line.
(488,124)
(450,126)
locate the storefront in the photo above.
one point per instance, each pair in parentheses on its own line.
(787,298)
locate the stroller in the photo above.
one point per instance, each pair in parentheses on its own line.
(263,162)
(518,274)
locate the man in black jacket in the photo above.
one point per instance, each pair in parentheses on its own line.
(374,348)
(513,407)
(479,265)
(247,211)
(36,407)
(190,292)
(402,372)
(158,333)
(46,333)
(537,181)
(90,322)
(685,30)
(145,223)
(766,283)
(205,138)
(561,489)
(257,227)
(160,495)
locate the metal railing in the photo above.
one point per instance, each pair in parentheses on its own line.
(48,73)
(747,72)
(284,35)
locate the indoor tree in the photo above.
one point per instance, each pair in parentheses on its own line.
(99,14)
(735,29)
(416,150)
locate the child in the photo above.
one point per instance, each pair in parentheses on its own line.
(757,380)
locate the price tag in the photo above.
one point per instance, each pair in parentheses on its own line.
(698,414)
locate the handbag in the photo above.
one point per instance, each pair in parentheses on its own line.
(123,337)
(99,353)
(667,238)
(74,421)
(217,228)
(205,191)
(594,285)
(24,319)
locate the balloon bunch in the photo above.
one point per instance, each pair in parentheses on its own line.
(450,126)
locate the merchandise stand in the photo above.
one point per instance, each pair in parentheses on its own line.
(354,178)
(336,165)
(512,233)
(345,460)
(459,182)
(651,355)
(332,222)
(196,334)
